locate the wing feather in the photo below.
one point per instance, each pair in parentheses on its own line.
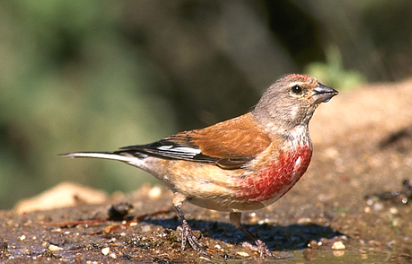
(228,144)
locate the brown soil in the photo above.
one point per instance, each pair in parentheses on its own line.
(351,205)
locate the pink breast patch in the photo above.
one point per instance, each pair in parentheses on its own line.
(273,182)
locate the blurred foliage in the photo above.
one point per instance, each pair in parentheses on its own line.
(98,75)
(332,71)
(70,82)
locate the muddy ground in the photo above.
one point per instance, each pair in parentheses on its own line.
(352,206)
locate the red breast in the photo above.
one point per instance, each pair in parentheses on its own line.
(272,182)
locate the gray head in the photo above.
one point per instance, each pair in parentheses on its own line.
(290,102)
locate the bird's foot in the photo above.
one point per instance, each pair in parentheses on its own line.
(188,236)
(261,248)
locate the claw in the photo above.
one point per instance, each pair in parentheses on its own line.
(260,245)
(187,233)
(188,236)
(261,248)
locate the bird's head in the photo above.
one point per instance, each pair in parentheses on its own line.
(291,101)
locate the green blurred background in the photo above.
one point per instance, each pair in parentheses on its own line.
(98,75)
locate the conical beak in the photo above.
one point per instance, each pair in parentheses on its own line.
(322,94)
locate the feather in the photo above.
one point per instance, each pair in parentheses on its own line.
(229,144)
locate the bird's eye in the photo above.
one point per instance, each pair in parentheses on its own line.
(296,89)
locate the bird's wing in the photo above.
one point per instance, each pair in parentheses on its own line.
(229,144)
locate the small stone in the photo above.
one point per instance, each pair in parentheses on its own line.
(369,202)
(146,228)
(23,237)
(119,211)
(242,254)
(395,222)
(304,221)
(394,210)
(264,221)
(338,245)
(55,248)
(155,192)
(331,153)
(312,244)
(105,251)
(251,218)
(378,207)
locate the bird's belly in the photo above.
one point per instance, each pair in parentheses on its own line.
(256,190)
(268,185)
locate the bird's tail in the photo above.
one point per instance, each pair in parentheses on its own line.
(119,155)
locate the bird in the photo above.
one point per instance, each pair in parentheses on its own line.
(238,165)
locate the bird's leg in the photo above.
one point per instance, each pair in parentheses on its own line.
(187,233)
(235,219)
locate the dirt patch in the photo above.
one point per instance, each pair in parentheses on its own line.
(352,204)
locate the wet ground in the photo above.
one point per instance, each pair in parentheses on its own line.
(352,206)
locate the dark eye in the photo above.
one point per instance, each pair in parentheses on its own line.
(296,89)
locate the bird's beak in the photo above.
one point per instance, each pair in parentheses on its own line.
(322,94)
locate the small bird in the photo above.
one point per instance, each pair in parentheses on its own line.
(242,164)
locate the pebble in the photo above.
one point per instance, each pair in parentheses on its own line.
(338,245)
(378,207)
(394,210)
(264,221)
(146,228)
(55,248)
(155,192)
(242,254)
(369,202)
(304,221)
(331,153)
(105,251)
